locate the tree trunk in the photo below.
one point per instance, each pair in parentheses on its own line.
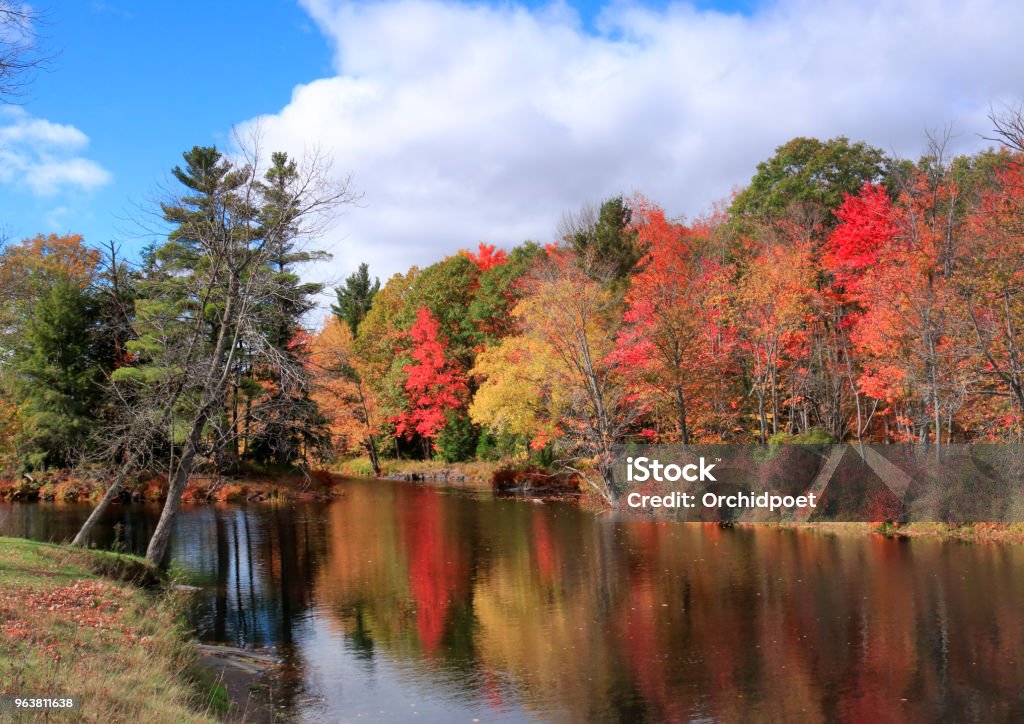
(684,434)
(371,449)
(82,538)
(762,419)
(158,544)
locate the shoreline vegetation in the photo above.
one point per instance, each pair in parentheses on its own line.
(523,482)
(105,627)
(72,486)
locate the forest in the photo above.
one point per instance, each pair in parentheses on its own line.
(842,295)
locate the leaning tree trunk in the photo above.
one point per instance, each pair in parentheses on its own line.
(213,393)
(161,539)
(82,539)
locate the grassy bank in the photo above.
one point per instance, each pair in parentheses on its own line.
(974,532)
(477,471)
(980,532)
(74,623)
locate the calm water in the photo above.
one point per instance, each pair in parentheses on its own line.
(409,602)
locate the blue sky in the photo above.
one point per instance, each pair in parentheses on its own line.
(467,122)
(145,81)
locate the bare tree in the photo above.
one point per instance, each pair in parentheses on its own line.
(203,308)
(19,56)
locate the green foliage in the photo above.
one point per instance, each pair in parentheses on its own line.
(447,289)
(492,446)
(813,436)
(59,374)
(608,244)
(490,310)
(355,298)
(812,172)
(457,441)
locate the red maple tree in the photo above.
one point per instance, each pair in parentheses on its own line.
(434,384)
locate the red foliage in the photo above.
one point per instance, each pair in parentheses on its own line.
(487,257)
(866,225)
(434,384)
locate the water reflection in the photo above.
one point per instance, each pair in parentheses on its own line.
(401,600)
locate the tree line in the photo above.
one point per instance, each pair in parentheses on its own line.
(842,295)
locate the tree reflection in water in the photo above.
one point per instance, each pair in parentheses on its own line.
(400,598)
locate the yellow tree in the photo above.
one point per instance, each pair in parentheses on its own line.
(559,374)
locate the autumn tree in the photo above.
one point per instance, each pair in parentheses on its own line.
(772,304)
(351,410)
(893,260)
(673,314)
(559,372)
(487,256)
(991,280)
(435,384)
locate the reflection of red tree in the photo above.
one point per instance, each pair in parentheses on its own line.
(642,627)
(438,572)
(543,548)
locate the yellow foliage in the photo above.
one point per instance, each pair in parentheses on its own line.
(517,376)
(540,380)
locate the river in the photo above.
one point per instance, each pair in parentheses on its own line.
(401,601)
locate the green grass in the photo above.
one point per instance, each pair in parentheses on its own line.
(480,471)
(988,532)
(77,623)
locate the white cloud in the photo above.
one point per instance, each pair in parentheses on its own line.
(467,122)
(43,156)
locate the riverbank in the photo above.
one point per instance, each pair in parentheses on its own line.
(976,532)
(967,532)
(78,623)
(504,477)
(84,486)
(434,471)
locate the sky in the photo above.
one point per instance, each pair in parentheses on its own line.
(463,122)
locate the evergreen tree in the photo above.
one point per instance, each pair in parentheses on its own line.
(355,298)
(607,244)
(59,374)
(286,418)
(218,291)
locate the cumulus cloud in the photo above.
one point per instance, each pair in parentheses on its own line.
(468,122)
(45,157)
